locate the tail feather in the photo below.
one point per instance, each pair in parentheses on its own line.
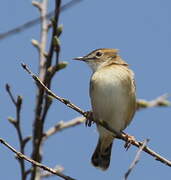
(101,155)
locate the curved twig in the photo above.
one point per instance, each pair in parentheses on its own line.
(136,159)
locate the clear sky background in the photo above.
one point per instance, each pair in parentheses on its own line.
(141,29)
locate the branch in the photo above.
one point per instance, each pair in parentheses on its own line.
(16,122)
(159,101)
(54,39)
(46,168)
(60,126)
(48,174)
(120,135)
(43,38)
(65,101)
(136,159)
(38,124)
(50,70)
(63,125)
(33,22)
(46,72)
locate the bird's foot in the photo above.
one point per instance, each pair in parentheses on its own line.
(89,119)
(129,141)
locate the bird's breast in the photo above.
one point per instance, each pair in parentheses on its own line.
(113,97)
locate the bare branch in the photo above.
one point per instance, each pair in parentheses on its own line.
(65,101)
(8,89)
(38,124)
(49,69)
(63,125)
(60,126)
(16,122)
(120,135)
(42,166)
(33,22)
(136,159)
(54,39)
(159,101)
(48,174)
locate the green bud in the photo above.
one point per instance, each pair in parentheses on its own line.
(59,30)
(12,120)
(62,65)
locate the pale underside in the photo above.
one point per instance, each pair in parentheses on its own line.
(112,93)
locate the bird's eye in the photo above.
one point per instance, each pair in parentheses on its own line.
(99,54)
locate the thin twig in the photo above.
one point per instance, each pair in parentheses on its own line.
(54,34)
(136,159)
(119,135)
(60,126)
(63,125)
(42,166)
(17,103)
(49,69)
(159,101)
(65,101)
(33,22)
(10,94)
(47,174)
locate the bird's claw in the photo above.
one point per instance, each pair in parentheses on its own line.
(89,118)
(129,141)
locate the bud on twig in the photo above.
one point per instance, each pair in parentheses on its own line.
(59,30)
(12,121)
(19,101)
(56,43)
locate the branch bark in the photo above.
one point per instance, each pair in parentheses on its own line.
(35,163)
(38,124)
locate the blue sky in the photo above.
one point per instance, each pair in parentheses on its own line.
(142,32)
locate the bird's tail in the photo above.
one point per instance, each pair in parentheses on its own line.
(102,154)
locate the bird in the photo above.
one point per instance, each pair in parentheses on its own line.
(113,98)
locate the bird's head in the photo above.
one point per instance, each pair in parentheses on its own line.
(100,57)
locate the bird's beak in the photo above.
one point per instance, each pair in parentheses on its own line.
(79,58)
(85,58)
